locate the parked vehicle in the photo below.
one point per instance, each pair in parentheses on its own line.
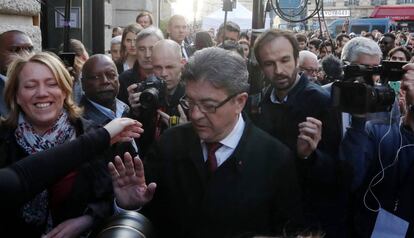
(362,24)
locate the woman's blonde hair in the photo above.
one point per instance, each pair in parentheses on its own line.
(62,76)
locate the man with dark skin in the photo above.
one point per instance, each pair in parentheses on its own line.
(386,43)
(101,86)
(12,44)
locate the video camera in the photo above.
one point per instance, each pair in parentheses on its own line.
(357,92)
(153,92)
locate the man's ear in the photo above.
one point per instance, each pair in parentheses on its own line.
(241,100)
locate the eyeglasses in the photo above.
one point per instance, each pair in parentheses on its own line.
(310,70)
(21,49)
(204,107)
(107,75)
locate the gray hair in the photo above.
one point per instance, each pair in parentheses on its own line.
(360,45)
(116,40)
(305,54)
(222,68)
(149,31)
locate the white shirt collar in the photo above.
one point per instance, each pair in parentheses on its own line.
(275,100)
(4,78)
(233,138)
(120,109)
(229,143)
(273,97)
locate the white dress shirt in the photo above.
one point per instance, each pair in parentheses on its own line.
(229,143)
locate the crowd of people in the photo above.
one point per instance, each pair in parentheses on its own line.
(207,135)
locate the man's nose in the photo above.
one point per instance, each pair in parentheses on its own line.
(278,68)
(195,113)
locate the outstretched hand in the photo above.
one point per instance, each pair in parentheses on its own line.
(128,180)
(123,130)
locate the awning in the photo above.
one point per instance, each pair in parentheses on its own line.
(396,13)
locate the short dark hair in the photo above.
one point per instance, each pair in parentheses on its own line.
(222,68)
(315,42)
(369,35)
(325,44)
(143,14)
(341,36)
(245,35)
(230,26)
(301,37)
(392,36)
(272,34)
(402,49)
(232,46)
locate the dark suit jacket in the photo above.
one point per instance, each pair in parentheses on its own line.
(3,107)
(188,49)
(92,113)
(254,191)
(127,78)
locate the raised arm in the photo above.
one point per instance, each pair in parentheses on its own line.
(24,179)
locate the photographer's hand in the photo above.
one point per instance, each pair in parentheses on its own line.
(133,96)
(310,133)
(183,116)
(128,181)
(165,118)
(407,83)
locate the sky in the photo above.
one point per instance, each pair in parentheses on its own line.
(185,8)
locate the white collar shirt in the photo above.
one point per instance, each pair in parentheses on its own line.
(229,143)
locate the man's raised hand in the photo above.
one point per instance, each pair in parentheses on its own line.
(128,180)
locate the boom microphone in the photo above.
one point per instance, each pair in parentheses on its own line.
(332,67)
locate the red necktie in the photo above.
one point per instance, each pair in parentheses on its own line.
(211,155)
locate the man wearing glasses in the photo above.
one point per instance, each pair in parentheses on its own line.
(218,176)
(308,64)
(101,86)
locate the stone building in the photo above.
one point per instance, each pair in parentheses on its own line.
(334,9)
(23,15)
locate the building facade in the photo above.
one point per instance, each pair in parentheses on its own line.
(23,15)
(334,9)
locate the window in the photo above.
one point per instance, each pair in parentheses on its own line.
(358,28)
(351,3)
(329,3)
(380,28)
(404,1)
(378,2)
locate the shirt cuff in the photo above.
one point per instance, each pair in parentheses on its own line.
(118,209)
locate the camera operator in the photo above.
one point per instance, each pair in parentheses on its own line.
(157,116)
(364,51)
(382,158)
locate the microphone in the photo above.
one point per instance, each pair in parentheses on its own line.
(332,67)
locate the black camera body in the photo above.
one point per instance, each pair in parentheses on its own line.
(153,92)
(357,93)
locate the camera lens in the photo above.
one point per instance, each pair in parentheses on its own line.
(149,98)
(126,225)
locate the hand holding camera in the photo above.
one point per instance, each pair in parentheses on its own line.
(133,96)
(407,83)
